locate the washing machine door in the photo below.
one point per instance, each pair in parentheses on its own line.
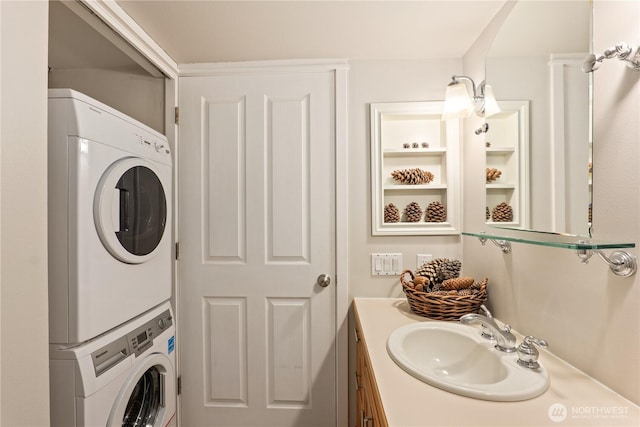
(130,210)
(147,399)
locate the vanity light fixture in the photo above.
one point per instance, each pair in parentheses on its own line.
(459,104)
(630,55)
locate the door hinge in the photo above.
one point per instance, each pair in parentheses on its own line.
(177,115)
(177,250)
(179,385)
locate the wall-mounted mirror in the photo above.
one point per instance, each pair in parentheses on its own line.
(536,58)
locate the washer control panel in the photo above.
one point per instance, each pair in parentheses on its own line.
(141,338)
(135,342)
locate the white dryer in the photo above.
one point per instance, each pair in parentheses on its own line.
(124,378)
(110,190)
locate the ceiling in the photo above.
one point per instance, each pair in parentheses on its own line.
(222,31)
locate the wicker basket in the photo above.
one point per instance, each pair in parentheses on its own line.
(443,307)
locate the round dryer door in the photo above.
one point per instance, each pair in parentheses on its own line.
(146,399)
(130,210)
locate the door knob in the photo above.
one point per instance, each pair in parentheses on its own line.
(324,280)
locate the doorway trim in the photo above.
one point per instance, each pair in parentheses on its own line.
(142,47)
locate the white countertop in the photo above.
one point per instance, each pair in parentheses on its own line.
(408,402)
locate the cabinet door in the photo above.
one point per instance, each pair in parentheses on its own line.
(374,414)
(369,407)
(360,405)
(415,167)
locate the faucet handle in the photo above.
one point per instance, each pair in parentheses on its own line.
(528,353)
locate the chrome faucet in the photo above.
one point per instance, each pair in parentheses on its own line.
(505,340)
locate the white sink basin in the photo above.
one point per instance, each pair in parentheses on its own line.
(455,358)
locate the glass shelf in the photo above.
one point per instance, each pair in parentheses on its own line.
(554,240)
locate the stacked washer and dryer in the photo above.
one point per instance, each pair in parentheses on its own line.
(112,333)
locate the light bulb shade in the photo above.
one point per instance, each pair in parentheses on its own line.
(457,102)
(490,104)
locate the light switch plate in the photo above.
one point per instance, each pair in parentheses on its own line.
(386,264)
(422,258)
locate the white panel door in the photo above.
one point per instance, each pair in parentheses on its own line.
(257,228)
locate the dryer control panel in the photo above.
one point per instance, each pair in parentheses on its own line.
(141,338)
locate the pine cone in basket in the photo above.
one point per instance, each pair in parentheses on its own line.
(391,213)
(413,211)
(502,213)
(412,176)
(438,270)
(449,268)
(419,281)
(458,283)
(430,271)
(436,212)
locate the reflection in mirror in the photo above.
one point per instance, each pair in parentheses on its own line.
(537,57)
(507,148)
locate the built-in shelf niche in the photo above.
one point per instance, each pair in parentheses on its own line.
(408,135)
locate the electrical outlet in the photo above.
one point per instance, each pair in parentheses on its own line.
(422,258)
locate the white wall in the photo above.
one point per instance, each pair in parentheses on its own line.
(590,317)
(24,369)
(137,95)
(387,81)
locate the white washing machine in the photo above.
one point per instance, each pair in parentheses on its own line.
(110,189)
(124,378)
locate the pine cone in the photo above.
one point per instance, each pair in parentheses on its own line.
(430,271)
(412,176)
(487,214)
(465,292)
(437,271)
(449,268)
(502,213)
(391,213)
(458,283)
(441,292)
(436,212)
(413,211)
(436,287)
(493,174)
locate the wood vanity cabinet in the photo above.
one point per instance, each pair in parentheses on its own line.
(370,410)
